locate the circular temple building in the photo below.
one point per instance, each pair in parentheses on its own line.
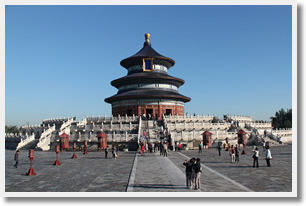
(147,88)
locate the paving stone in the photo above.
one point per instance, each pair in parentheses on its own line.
(133,172)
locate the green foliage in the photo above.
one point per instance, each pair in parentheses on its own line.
(11,129)
(282,119)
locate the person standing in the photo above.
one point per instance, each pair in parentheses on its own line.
(165,149)
(198,170)
(200,148)
(237,154)
(219,148)
(179,147)
(193,174)
(161,148)
(16,158)
(154,146)
(268,156)
(142,148)
(263,146)
(150,147)
(188,165)
(255,156)
(106,152)
(114,151)
(232,153)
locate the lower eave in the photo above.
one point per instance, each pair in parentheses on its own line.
(147,94)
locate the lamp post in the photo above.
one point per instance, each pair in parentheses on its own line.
(74,156)
(85,148)
(57,150)
(31,170)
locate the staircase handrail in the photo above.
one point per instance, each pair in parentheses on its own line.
(139,129)
(66,124)
(25,141)
(46,134)
(83,122)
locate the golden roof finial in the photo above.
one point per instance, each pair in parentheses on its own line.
(147,36)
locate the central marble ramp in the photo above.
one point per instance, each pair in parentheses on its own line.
(154,173)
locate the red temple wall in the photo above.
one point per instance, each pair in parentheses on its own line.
(138,110)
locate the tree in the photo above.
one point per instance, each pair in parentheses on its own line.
(282,119)
(11,129)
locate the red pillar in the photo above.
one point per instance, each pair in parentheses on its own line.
(57,150)
(85,148)
(74,156)
(31,170)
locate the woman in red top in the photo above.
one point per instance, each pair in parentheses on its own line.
(142,149)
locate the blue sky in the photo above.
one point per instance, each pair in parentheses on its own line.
(60,60)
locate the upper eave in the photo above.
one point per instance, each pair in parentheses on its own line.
(146,52)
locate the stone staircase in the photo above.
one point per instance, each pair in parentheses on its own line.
(151,128)
(30,145)
(45,139)
(258,138)
(27,140)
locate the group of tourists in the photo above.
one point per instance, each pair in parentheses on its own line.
(151,147)
(268,156)
(178,146)
(163,148)
(114,152)
(193,173)
(234,153)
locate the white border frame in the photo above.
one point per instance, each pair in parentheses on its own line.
(168,2)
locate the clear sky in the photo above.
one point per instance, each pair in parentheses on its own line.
(60,60)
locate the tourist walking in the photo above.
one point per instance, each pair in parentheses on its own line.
(179,147)
(193,174)
(268,156)
(165,149)
(232,153)
(188,165)
(263,146)
(219,148)
(114,152)
(142,149)
(150,147)
(200,148)
(198,170)
(161,149)
(237,151)
(16,158)
(255,156)
(106,152)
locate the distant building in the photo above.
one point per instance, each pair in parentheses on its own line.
(147,88)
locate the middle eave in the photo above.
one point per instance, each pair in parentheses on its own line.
(147,77)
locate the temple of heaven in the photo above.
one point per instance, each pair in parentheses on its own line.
(147,89)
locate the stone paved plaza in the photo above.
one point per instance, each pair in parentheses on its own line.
(132,172)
